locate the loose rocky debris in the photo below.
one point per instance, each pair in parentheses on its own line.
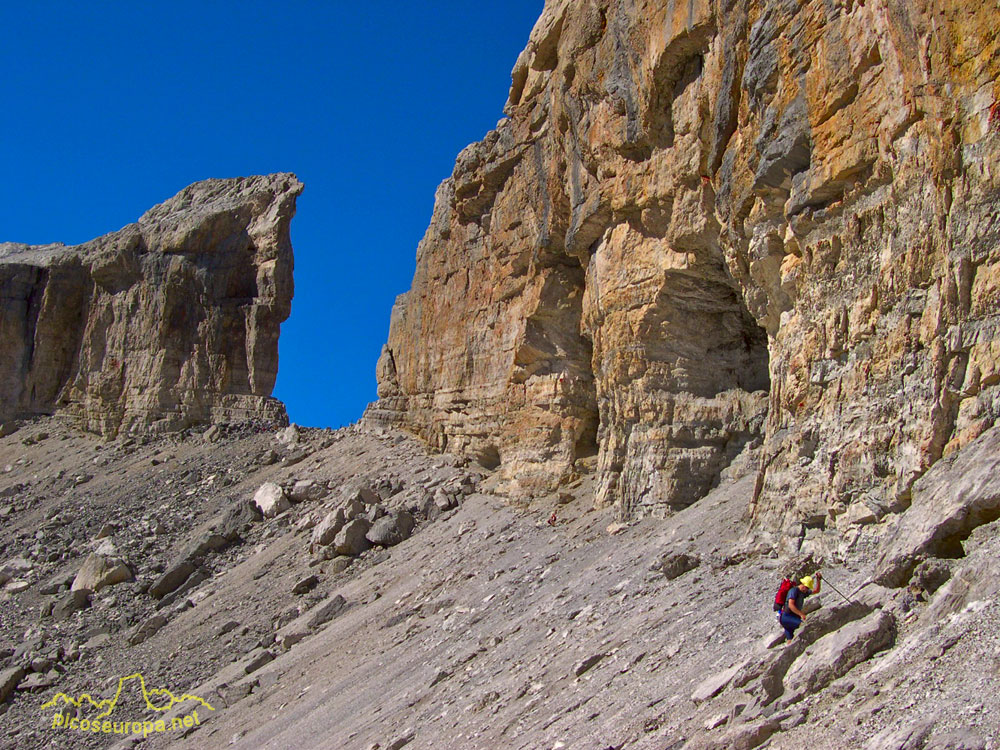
(478,625)
(168,541)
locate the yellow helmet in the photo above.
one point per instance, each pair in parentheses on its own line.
(808,582)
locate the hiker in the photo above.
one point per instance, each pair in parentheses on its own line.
(791,615)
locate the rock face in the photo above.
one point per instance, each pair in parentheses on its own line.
(709,224)
(949,501)
(170,321)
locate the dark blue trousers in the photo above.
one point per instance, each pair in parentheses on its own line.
(789,622)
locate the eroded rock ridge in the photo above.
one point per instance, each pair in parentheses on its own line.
(170,321)
(717,226)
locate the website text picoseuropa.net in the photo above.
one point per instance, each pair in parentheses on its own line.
(107,726)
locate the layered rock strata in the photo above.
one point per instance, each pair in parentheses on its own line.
(707,224)
(170,321)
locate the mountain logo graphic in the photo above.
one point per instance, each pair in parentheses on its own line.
(159,700)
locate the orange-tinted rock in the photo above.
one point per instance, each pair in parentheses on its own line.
(706,224)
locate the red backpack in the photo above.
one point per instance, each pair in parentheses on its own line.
(783,589)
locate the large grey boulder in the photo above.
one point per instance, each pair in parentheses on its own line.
(238,519)
(741,737)
(172,579)
(351,539)
(204,544)
(955,496)
(72,602)
(676,564)
(714,684)
(326,530)
(391,529)
(9,679)
(836,654)
(306,490)
(305,624)
(357,490)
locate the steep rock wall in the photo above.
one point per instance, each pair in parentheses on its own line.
(708,224)
(168,322)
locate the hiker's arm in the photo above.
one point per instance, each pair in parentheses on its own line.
(819,582)
(795,609)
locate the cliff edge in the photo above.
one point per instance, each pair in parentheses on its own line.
(167,322)
(716,228)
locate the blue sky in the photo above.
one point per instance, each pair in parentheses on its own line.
(112,107)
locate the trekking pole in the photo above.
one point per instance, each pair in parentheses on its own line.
(849,601)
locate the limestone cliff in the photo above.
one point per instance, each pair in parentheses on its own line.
(170,321)
(717,224)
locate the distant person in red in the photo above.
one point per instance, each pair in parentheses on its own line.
(791,614)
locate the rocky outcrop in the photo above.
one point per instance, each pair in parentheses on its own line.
(168,322)
(716,224)
(959,494)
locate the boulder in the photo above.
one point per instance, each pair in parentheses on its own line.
(306,490)
(443,500)
(203,545)
(9,680)
(834,655)
(391,529)
(715,683)
(375,512)
(930,575)
(860,514)
(288,436)
(339,564)
(238,519)
(956,495)
(585,665)
(98,572)
(13,568)
(197,577)
(359,491)
(171,579)
(326,530)
(909,737)
(677,564)
(256,659)
(314,618)
(56,583)
(146,629)
(306,585)
(743,736)
(351,539)
(354,508)
(271,500)
(72,602)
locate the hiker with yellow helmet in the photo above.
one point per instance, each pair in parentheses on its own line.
(791,614)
